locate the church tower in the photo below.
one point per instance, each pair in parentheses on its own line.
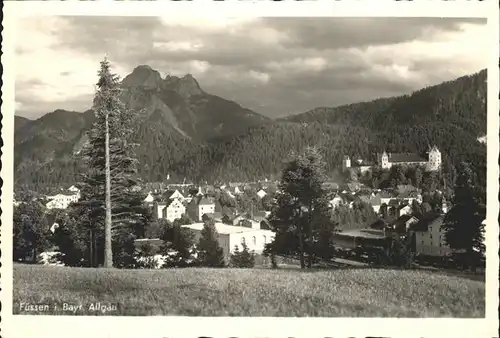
(434,162)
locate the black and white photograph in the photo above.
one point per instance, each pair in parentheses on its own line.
(250,166)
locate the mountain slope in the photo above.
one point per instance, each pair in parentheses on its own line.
(175,114)
(451,115)
(20,121)
(185,106)
(52,136)
(190,134)
(461,102)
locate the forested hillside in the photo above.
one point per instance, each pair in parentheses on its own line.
(195,137)
(461,102)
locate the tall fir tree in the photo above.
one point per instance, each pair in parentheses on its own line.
(210,254)
(302,211)
(110,188)
(463,224)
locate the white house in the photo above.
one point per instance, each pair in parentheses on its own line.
(336,201)
(73,189)
(177,195)
(261,193)
(173,210)
(429,237)
(200,192)
(230,236)
(62,200)
(200,206)
(404,209)
(149,198)
(385,197)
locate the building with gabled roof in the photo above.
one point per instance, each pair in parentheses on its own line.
(175,194)
(199,206)
(229,236)
(261,193)
(403,224)
(62,199)
(432,162)
(173,210)
(429,236)
(149,198)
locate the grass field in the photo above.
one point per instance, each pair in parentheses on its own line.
(247,292)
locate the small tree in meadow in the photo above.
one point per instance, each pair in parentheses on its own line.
(178,246)
(242,259)
(146,257)
(210,254)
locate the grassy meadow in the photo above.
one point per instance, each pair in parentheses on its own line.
(245,292)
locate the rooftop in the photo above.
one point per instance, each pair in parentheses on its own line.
(400,224)
(426,220)
(365,233)
(224,228)
(202,200)
(405,157)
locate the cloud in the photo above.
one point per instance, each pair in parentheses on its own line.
(275,66)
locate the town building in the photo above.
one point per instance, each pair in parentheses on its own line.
(173,210)
(359,164)
(229,236)
(176,194)
(261,193)
(429,236)
(149,198)
(74,189)
(402,224)
(336,201)
(199,206)
(63,199)
(374,200)
(386,160)
(170,209)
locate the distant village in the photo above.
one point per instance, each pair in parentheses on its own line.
(393,207)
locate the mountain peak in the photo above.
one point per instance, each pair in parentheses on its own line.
(143,76)
(186,86)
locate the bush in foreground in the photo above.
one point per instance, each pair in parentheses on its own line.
(242,259)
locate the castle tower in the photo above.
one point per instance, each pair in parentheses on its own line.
(434,161)
(385,161)
(346,163)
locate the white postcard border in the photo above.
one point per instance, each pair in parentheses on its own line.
(41,326)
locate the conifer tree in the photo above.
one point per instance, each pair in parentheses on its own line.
(178,245)
(30,230)
(110,186)
(463,224)
(236,257)
(210,254)
(302,210)
(243,258)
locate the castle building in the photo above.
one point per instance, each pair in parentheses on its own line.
(387,160)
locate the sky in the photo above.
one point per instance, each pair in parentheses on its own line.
(274,66)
